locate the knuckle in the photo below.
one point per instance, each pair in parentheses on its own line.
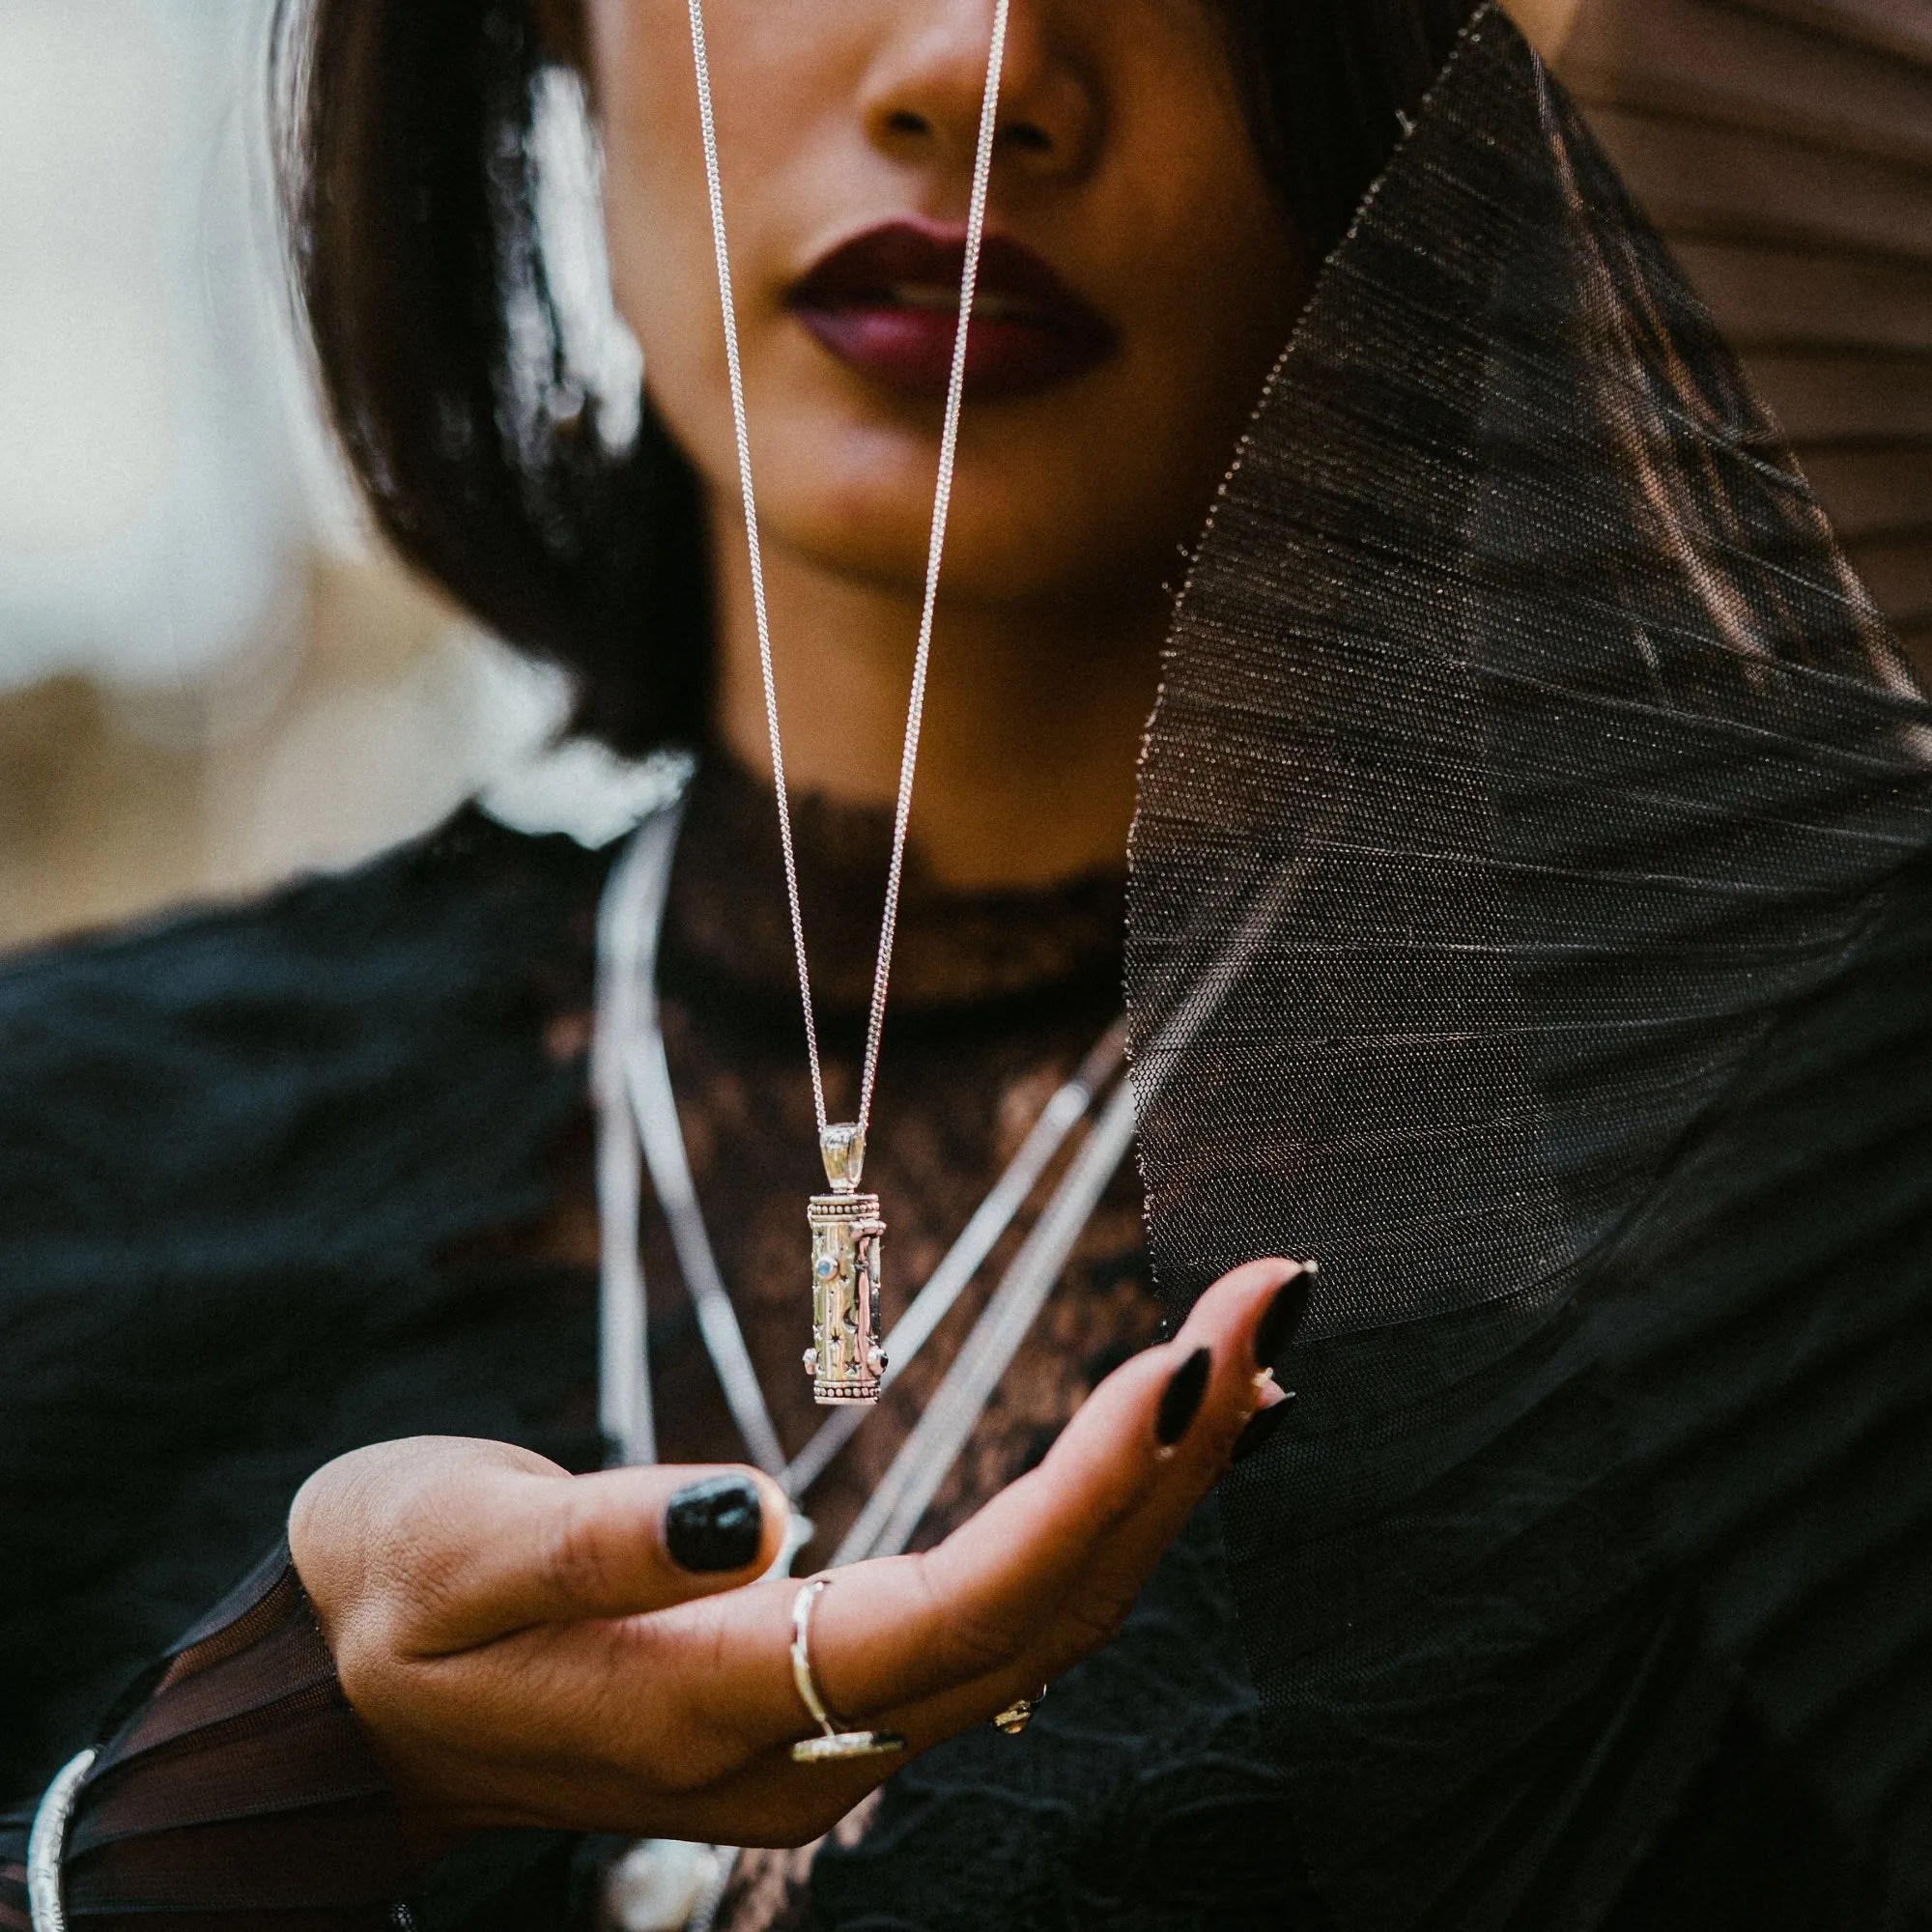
(969,1641)
(385,1684)
(1095,1620)
(702,1733)
(361,1666)
(577,1560)
(415,1580)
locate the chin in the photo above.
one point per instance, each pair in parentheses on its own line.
(861,506)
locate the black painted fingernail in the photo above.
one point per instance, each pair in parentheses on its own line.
(1261,1430)
(716,1524)
(1275,1330)
(1181,1400)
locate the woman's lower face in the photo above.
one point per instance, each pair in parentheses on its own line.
(1138,281)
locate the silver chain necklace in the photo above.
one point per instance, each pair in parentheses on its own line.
(638,1128)
(847,1359)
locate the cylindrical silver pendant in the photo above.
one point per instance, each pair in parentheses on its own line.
(846,1360)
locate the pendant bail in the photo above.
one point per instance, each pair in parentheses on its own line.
(843,1150)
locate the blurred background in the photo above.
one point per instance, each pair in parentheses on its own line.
(210,678)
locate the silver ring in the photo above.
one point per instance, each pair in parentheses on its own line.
(835,1742)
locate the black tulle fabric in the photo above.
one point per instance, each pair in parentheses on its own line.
(247,1221)
(240,1788)
(1532,838)
(1145,1799)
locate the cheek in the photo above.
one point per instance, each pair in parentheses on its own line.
(775,86)
(1210,334)
(1224,276)
(1209,297)
(1116,475)
(656,217)
(1221,272)
(666,291)
(656,221)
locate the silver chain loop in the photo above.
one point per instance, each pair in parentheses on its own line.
(942,503)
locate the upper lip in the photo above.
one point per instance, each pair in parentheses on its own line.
(912,265)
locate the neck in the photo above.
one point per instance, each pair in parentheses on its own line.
(1033,721)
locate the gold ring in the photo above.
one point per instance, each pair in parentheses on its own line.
(835,1742)
(1018,1715)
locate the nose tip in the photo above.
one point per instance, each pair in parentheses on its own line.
(927,95)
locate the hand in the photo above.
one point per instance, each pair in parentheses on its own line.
(525,1647)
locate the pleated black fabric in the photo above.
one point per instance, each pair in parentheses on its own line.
(1530,921)
(241,1789)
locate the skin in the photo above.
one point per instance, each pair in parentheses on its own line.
(522,1649)
(1124,163)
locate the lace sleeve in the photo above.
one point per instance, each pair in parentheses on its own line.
(241,1789)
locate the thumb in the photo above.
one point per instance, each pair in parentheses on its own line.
(546,1548)
(478,1540)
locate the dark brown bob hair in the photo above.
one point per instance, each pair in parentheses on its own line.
(411,198)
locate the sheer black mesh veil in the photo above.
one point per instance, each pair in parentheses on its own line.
(1527,921)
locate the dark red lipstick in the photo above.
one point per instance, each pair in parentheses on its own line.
(886,305)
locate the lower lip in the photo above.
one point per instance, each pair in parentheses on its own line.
(910,350)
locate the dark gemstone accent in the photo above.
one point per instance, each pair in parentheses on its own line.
(1275,1330)
(1260,1430)
(1181,1400)
(714,1524)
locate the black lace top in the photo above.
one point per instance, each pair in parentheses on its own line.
(252,1220)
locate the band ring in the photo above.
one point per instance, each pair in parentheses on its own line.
(835,1742)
